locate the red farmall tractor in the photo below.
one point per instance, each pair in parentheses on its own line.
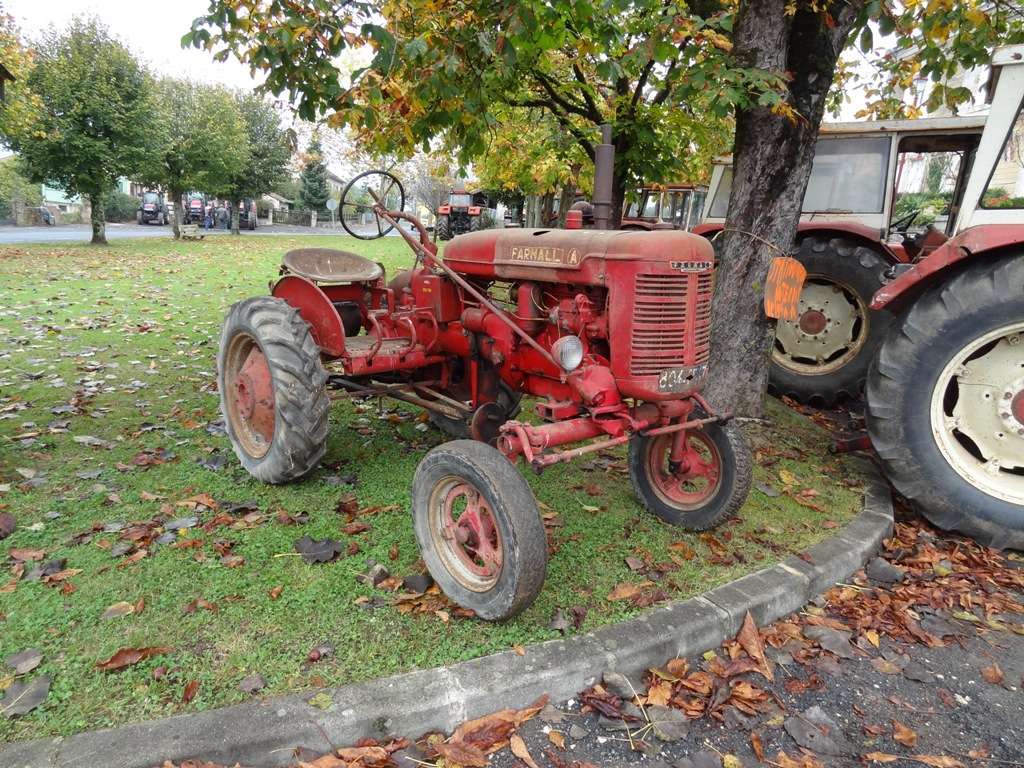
(464,212)
(609,331)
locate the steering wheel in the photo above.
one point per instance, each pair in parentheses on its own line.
(902,224)
(357,202)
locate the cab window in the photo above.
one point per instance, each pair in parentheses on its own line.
(848,176)
(1005,188)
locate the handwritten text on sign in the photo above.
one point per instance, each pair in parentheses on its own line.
(782,289)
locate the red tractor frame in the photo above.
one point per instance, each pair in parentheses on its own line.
(608,330)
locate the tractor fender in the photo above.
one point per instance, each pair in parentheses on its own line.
(316,309)
(851,230)
(977,242)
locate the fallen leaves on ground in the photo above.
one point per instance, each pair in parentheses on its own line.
(127,657)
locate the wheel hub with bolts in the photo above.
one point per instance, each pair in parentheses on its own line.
(1017,404)
(982,434)
(825,335)
(469,538)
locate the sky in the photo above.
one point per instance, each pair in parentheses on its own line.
(152,30)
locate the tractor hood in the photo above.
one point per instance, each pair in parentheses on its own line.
(571,256)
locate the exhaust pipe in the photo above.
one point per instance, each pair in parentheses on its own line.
(604,167)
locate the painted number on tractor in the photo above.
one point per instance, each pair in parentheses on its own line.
(680,379)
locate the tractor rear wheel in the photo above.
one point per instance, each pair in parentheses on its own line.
(823,357)
(476,223)
(443,228)
(479,529)
(712,486)
(945,403)
(273,390)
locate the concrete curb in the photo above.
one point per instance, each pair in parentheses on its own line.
(264,732)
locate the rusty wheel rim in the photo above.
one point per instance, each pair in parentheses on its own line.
(249,395)
(692,485)
(465,534)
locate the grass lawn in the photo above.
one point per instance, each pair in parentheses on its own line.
(108,416)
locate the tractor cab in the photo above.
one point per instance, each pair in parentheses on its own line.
(675,205)
(882,195)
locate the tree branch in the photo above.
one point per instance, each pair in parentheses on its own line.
(569,106)
(591,104)
(561,117)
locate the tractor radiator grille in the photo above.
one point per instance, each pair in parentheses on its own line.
(671,321)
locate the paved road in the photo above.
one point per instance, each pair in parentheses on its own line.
(82,233)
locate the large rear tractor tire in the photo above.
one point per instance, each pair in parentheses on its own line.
(273,390)
(479,529)
(476,223)
(711,487)
(824,356)
(945,403)
(443,228)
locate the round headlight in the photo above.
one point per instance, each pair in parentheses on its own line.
(568,351)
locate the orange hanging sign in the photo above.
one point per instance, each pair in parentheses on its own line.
(782,288)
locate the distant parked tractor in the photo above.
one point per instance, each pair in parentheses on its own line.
(881,195)
(464,212)
(195,208)
(609,330)
(247,215)
(945,391)
(152,209)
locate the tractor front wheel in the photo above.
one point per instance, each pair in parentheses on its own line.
(479,529)
(443,228)
(709,485)
(273,390)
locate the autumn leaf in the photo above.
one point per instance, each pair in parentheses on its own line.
(659,693)
(117,610)
(993,674)
(881,757)
(191,689)
(557,738)
(627,590)
(275,592)
(519,750)
(757,745)
(127,657)
(750,640)
(938,761)
(903,735)
(462,754)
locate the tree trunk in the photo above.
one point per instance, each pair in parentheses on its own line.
(179,213)
(235,218)
(565,203)
(99,226)
(771,166)
(618,198)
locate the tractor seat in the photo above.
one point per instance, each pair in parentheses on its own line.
(326,265)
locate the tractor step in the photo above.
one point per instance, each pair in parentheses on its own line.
(362,346)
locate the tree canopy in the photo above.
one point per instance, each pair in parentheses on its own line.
(204,140)
(269,152)
(92,104)
(658,72)
(313,190)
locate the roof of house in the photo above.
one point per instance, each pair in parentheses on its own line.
(279,198)
(5,74)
